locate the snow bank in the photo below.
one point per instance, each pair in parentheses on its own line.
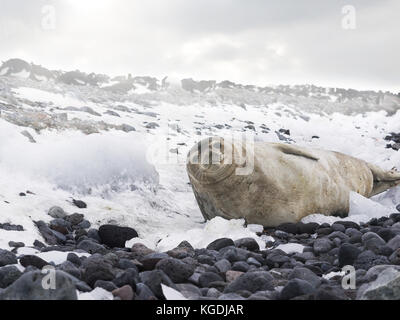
(79,163)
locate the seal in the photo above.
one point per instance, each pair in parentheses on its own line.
(284,184)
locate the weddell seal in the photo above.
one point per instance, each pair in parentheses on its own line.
(272,183)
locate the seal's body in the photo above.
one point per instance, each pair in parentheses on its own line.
(287,182)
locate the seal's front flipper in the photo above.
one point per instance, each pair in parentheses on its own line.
(291,149)
(383,180)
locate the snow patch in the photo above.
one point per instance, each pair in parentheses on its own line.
(57,99)
(172,294)
(214,229)
(57,257)
(332,274)
(96,294)
(23,74)
(291,248)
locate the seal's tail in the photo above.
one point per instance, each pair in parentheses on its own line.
(383,180)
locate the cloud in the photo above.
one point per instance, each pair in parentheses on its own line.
(256,41)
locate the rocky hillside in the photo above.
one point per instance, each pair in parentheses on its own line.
(308,97)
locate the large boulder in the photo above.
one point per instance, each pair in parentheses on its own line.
(116,236)
(33,286)
(385,287)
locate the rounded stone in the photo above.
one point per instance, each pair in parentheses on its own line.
(177,270)
(116,236)
(252,281)
(347,254)
(322,245)
(220,243)
(208,277)
(295,288)
(124,293)
(7,257)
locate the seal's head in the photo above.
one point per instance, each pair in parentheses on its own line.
(211,160)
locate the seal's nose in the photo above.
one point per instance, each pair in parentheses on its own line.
(208,161)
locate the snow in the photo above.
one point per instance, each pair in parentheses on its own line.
(361,210)
(291,248)
(171,294)
(96,294)
(24,74)
(4,71)
(257,228)
(332,274)
(41,78)
(75,161)
(212,230)
(57,257)
(139,89)
(45,96)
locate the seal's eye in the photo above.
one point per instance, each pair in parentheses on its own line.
(194,158)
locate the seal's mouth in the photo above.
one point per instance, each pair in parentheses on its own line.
(211,160)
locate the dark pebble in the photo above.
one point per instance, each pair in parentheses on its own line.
(74,258)
(248,244)
(127,277)
(288,227)
(154,279)
(106,285)
(220,243)
(31,260)
(79,203)
(223,265)
(70,268)
(16,244)
(387,234)
(96,268)
(74,218)
(91,247)
(240,266)
(308,228)
(252,281)
(295,288)
(177,270)
(204,259)
(207,277)
(347,254)
(94,234)
(7,257)
(8,274)
(143,292)
(307,275)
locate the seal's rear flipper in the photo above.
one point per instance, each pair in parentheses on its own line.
(383,180)
(291,149)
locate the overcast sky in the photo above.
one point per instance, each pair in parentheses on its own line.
(248,41)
